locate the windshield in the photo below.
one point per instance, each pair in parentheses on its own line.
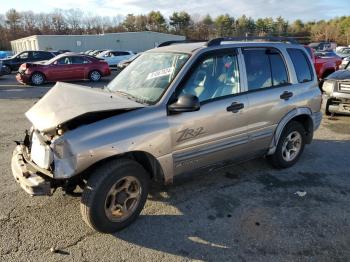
(146,79)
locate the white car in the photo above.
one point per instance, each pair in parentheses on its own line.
(113,57)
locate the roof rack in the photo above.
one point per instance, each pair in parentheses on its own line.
(218,41)
(174,42)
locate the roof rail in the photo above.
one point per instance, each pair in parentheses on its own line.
(218,41)
(174,42)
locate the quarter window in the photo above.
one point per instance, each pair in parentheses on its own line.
(265,68)
(215,76)
(301,65)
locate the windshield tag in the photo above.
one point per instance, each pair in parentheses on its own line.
(160,73)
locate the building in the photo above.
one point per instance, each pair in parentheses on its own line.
(128,41)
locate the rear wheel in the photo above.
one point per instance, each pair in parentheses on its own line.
(37,79)
(115,195)
(95,76)
(290,146)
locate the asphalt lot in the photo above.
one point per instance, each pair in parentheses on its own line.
(246,212)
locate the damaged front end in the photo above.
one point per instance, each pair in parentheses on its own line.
(45,160)
(41,165)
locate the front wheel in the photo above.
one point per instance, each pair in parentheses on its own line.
(95,76)
(114,195)
(6,69)
(290,146)
(37,79)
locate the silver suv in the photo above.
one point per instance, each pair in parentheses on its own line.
(175,109)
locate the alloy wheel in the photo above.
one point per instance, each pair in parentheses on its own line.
(123,198)
(291,146)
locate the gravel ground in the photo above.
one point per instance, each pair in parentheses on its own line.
(246,212)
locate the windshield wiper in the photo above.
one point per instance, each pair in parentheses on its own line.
(132,97)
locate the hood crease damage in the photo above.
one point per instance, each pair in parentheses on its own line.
(67,102)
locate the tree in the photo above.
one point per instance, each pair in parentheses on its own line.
(224,25)
(129,23)
(180,21)
(156,22)
(13,20)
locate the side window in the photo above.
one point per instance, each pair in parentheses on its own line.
(265,68)
(79,60)
(24,56)
(42,55)
(215,76)
(258,68)
(301,65)
(64,61)
(278,69)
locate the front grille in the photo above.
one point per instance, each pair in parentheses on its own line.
(344,87)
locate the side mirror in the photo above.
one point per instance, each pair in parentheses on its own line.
(185,103)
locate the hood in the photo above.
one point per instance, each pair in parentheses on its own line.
(339,75)
(67,101)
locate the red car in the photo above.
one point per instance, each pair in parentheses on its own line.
(324,64)
(65,67)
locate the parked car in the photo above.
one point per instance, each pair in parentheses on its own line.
(323,46)
(14,62)
(2,71)
(345,62)
(325,62)
(5,54)
(174,110)
(65,67)
(124,63)
(337,92)
(97,52)
(114,57)
(345,52)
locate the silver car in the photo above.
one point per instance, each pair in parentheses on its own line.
(174,110)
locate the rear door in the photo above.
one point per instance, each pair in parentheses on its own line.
(217,131)
(61,69)
(79,67)
(270,94)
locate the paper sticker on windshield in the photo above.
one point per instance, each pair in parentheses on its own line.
(160,73)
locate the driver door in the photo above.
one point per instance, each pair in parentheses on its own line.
(217,131)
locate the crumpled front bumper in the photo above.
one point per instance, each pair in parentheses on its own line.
(26,174)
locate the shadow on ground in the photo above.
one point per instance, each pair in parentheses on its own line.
(251,210)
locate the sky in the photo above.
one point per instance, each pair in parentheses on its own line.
(306,10)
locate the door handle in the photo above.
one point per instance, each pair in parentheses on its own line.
(235,107)
(286,95)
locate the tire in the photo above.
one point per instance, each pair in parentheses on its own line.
(293,130)
(328,103)
(97,198)
(7,70)
(95,76)
(37,79)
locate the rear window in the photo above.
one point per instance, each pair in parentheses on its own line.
(265,68)
(301,64)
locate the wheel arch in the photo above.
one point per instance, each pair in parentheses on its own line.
(145,159)
(301,115)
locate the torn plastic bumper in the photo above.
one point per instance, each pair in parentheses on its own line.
(26,174)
